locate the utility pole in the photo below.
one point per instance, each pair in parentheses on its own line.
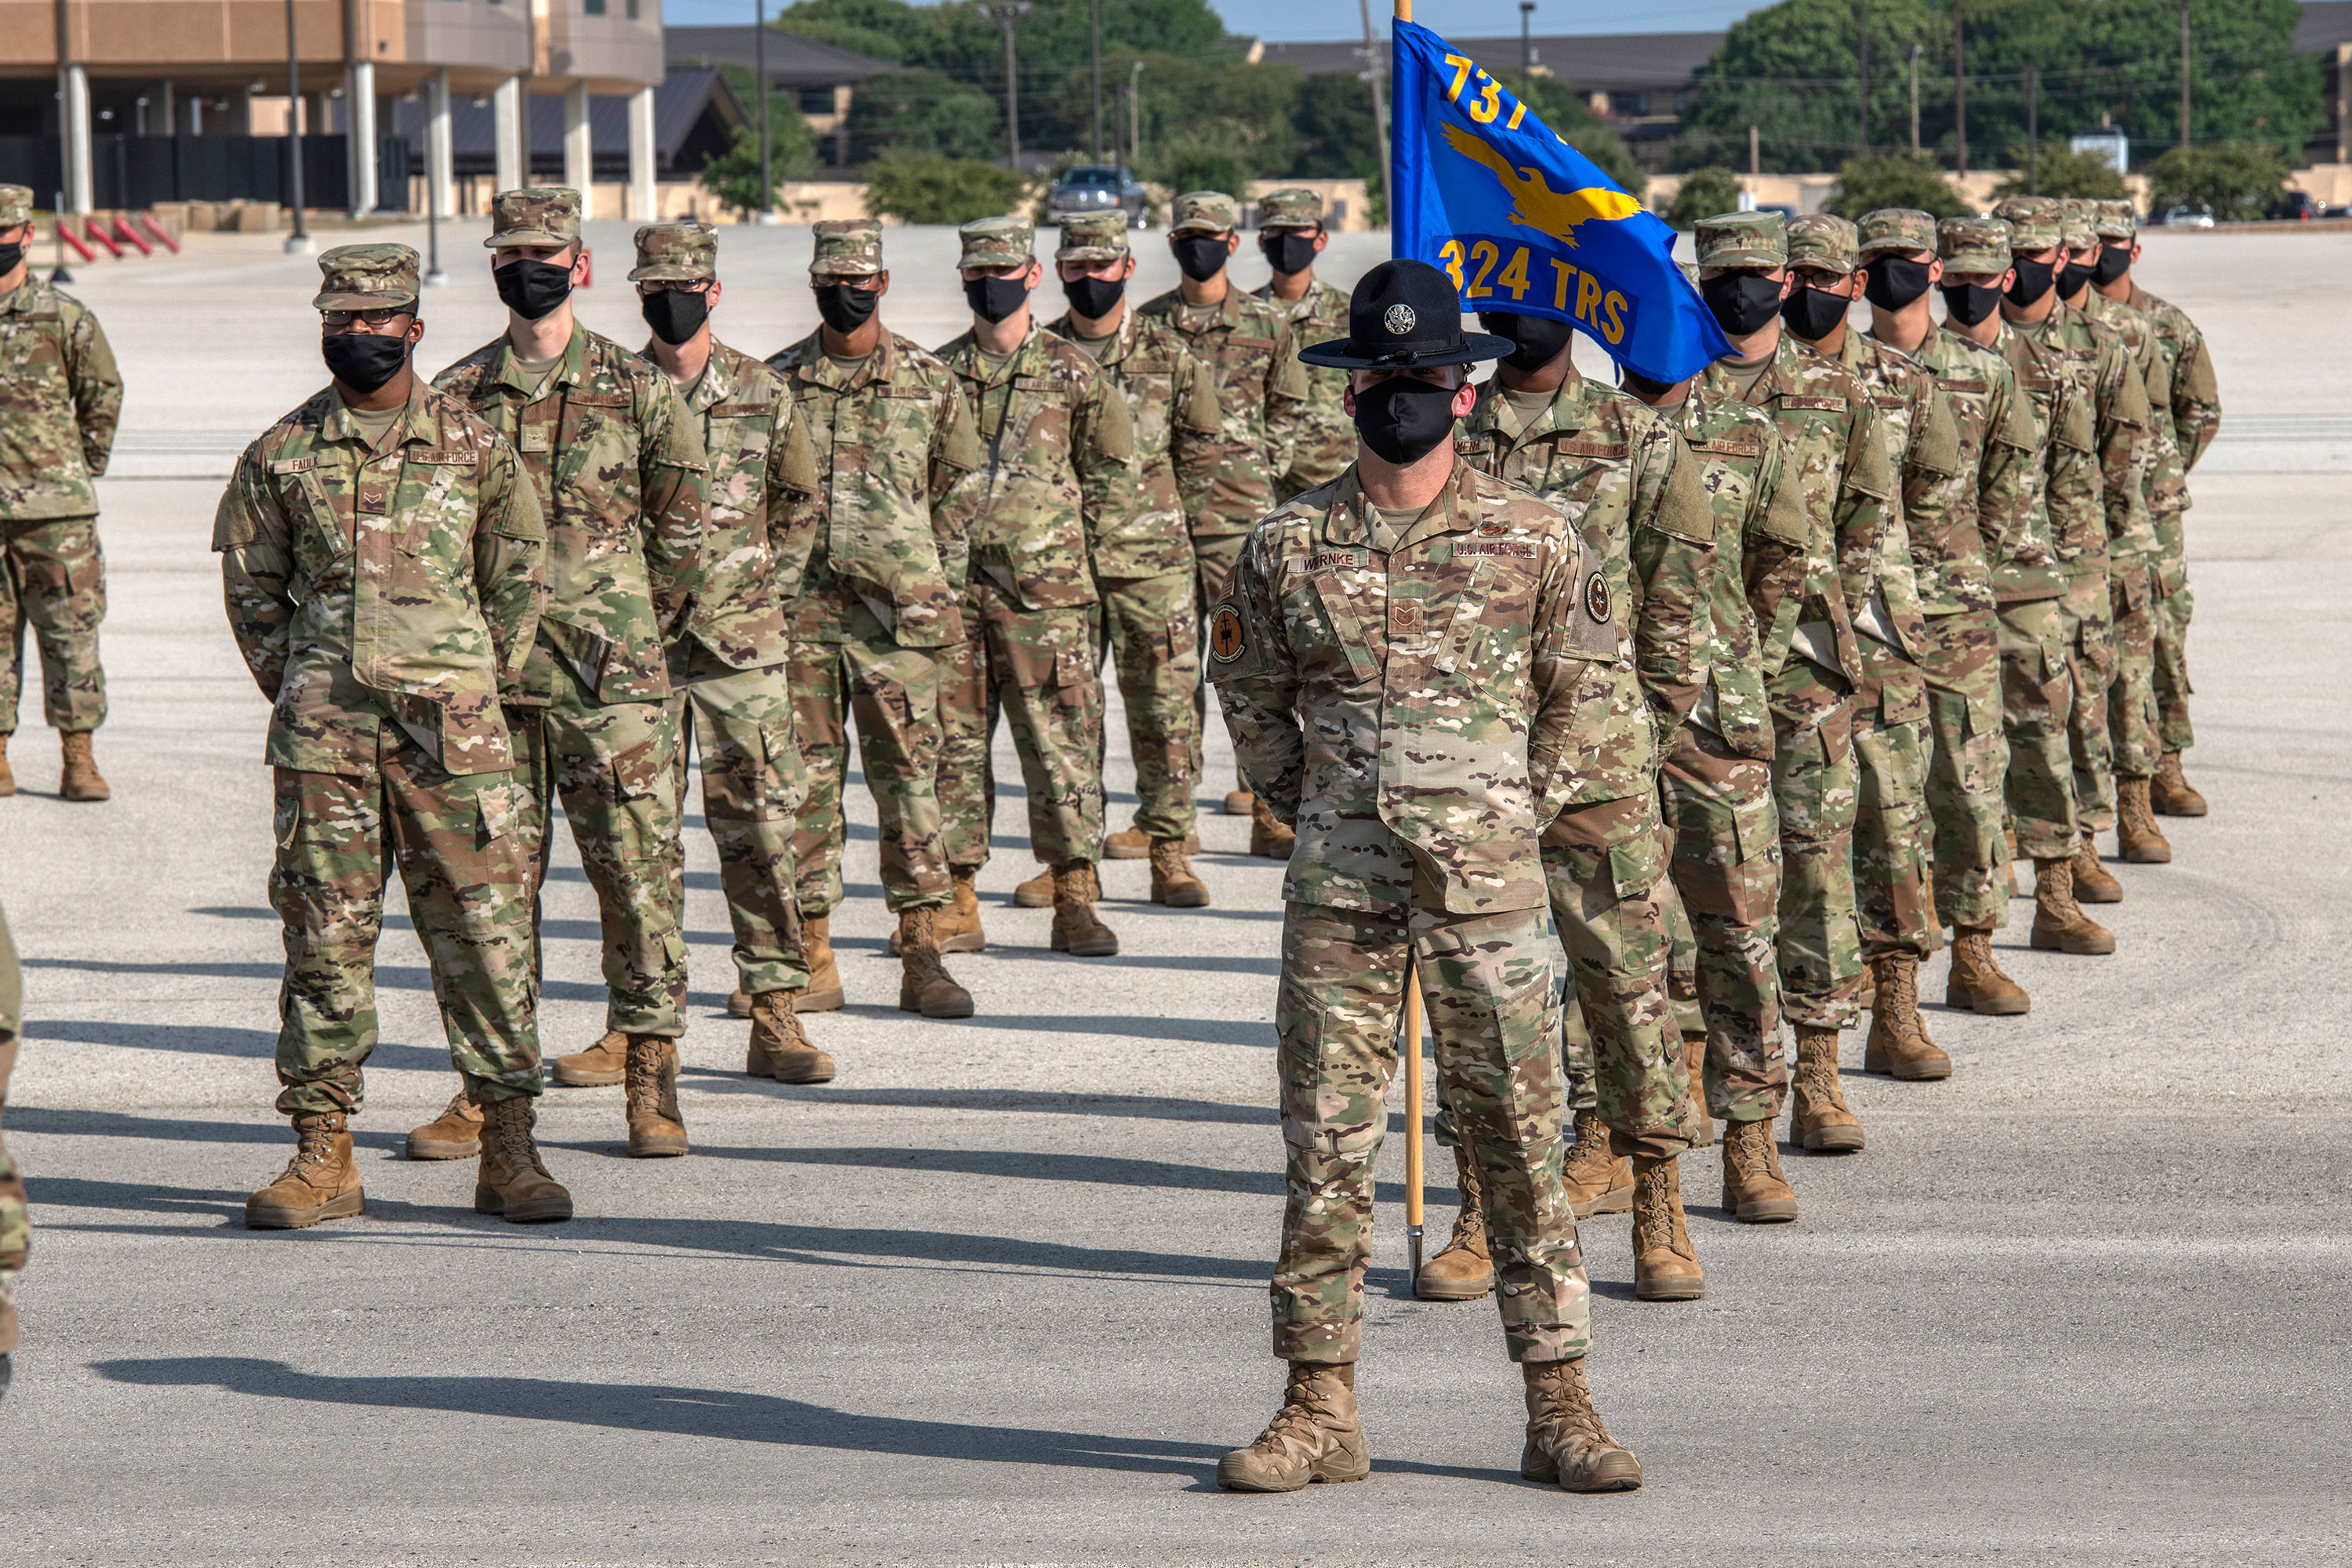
(2032,131)
(298,242)
(1004,13)
(1861,66)
(760,70)
(2184,75)
(1380,96)
(1755,157)
(1915,99)
(1959,90)
(1093,22)
(1527,45)
(1135,113)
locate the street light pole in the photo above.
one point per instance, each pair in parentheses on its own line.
(1959,90)
(2184,75)
(1914,98)
(1004,15)
(1094,23)
(2032,131)
(1862,68)
(1135,114)
(759,68)
(1380,95)
(298,242)
(1527,45)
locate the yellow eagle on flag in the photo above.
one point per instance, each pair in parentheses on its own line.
(1534,204)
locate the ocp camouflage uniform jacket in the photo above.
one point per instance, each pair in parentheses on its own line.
(1058,465)
(620,475)
(893,439)
(2196,410)
(2069,513)
(1420,714)
(1885,590)
(2165,483)
(1992,516)
(1171,402)
(2097,361)
(1326,441)
(762,516)
(1262,390)
(1761,539)
(60,397)
(372,588)
(1622,476)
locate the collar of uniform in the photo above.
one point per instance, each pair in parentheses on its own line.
(1564,415)
(817,366)
(1229,309)
(417,421)
(568,371)
(1448,512)
(1122,336)
(715,383)
(965,361)
(21,297)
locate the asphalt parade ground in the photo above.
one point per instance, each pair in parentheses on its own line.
(997,1293)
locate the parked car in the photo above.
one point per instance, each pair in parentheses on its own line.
(2297,206)
(2187,216)
(1094,188)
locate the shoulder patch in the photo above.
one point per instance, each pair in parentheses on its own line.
(1228,636)
(1596,596)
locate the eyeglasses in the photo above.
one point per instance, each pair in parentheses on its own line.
(675,286)
(336,321)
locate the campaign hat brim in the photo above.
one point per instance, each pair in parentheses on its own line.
(1473,348)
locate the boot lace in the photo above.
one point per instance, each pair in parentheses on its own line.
(1564,1409)
(775,1009)
(1305,1417)
(1750,1151)
(1653,1208)
(1168,858)
(508,1122)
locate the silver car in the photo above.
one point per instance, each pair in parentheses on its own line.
(1094,188)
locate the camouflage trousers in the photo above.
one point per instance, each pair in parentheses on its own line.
(1967,760)
(457,840)
(1150,628)
(2131,695)
(1725,864)
(2086,610)
(1040,669)
(2037,704)
(1214,561)
(1494,1019)
(53,579)
(1892,842)
(1815,791)
(16,1216)
(739,724)
(895,694)
(2175,603)
(613,767)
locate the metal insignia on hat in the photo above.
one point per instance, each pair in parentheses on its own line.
(1596,596)
(1399,320)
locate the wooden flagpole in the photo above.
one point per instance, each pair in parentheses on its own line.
(1414,1174)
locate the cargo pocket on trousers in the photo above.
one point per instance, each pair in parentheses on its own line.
(494,813)
(285,816)
(1635,869)
(783,779)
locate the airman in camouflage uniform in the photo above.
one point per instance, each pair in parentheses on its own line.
(1290,230)
(1146,617)
(1262,388)
(16,1218)
(1060,465)
(2194,415)
(1415,688)
(60,397)
(877,610)
(382,572)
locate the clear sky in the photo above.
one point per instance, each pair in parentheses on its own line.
(1296,19)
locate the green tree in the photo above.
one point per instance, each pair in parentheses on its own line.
(733,176)
(1895,180)
(792,145)
(919,109)
(1336,138)
(2062,172)
(1705,194)
(2239,180)
(924,187)
(1209,160)
(1788,69)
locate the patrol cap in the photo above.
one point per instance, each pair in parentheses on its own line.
(1405,315)
(677,252)
(15,206)
(1203,212)
(546,215)
(1973,245)
(847,248)
(2078,223)
(1093,237)
(1293,206)
(998,242)
(2032,222)
(2117,221)
(1897,228)
(366,277)
(1824,241)
(1742,239)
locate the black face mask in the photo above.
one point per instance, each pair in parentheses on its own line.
(9,256)
(1813,313)
(1289,249)
(1641,386)
(994,298)
(674,316)
(1894,281)
(2074,279)
(846,308)
(1201,256)
(1742,301)
(2033,281)
(1404,419)
(1093,297)
(533,289)
(1969,303)
(363,361)
(1536,340)
(2114,260)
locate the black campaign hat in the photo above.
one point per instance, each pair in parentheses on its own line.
(1405,315)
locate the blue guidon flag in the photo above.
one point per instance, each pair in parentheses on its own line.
(1522,221)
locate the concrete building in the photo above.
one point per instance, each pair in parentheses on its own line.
(75,70)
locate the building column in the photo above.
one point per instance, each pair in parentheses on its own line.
(506,110)
(579,152)
(642,194)
(359,112)
(438,168)
(74,112)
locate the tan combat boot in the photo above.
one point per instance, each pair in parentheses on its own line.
(1567,1445)
(1818,1118)
(2169,791)
(2008,835)
(958,927)
(81,780)
(606,1061)
(738,1002)
(319,1183)
(1598,1181)
(1976,981)
(1665,1265)
(1899,1044)
(1700,1128)
(1240,803)
(7,775)
(1172,882)
(455,1134)
(512,1180)
(1134,844)
(1036,893)
(1754,1189)
(1315,1436)
(1462,1270)
(779,1049)
(2139,839)
(656,1129)
(1076,931)
(2093,883)
(823,993)
(2059,923)
(924,986)
(1269,839)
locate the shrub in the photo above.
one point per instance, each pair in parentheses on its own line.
(1895,180)
(1705,194)
(2239,180)
(926,187)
